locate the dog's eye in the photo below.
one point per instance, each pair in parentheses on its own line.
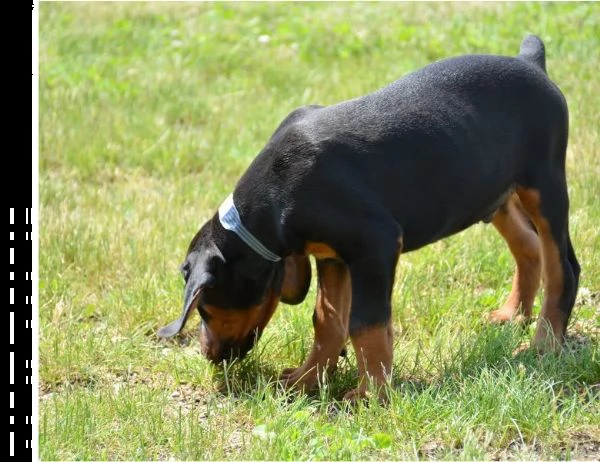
(185,270)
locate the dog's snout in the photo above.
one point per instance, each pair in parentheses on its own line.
(209,345)
(217,351)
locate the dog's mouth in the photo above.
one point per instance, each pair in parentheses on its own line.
(217,351)
(231,334)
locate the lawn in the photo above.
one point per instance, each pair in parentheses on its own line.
(150,112)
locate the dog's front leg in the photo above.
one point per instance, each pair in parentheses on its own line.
(374,353)
(370,322)
(330,321)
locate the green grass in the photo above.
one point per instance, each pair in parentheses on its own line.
(150,112)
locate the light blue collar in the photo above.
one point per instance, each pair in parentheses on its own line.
(230,220)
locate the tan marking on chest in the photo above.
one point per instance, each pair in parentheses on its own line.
(320,250)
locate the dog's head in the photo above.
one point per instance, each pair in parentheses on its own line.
(235,291)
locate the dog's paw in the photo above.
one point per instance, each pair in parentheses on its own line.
(300,378)
(287,372)
(356,395)
(362,394)
(508,314)
(545,342)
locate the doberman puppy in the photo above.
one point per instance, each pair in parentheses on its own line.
(467,139)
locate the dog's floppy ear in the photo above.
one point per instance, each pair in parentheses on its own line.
(296,279)
(196,282)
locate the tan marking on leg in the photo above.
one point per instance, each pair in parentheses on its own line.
(551,323)
(374,352)
(524,244)
(332,314)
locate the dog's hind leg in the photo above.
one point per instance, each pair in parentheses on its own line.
(524,244)
(547,204)
(330,322)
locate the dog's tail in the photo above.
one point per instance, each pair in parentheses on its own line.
(533,50)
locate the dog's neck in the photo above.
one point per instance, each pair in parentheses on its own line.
(230,219)
(258,224)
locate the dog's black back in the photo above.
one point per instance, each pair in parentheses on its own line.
(472,125)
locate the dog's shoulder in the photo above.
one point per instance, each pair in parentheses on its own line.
(297,115)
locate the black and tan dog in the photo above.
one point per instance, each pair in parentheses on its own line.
(463,140)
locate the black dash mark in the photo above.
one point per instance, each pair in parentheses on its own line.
(21,338)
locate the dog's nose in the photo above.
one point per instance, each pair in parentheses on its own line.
(216,350)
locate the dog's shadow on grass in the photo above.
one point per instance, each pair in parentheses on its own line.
(492,349)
